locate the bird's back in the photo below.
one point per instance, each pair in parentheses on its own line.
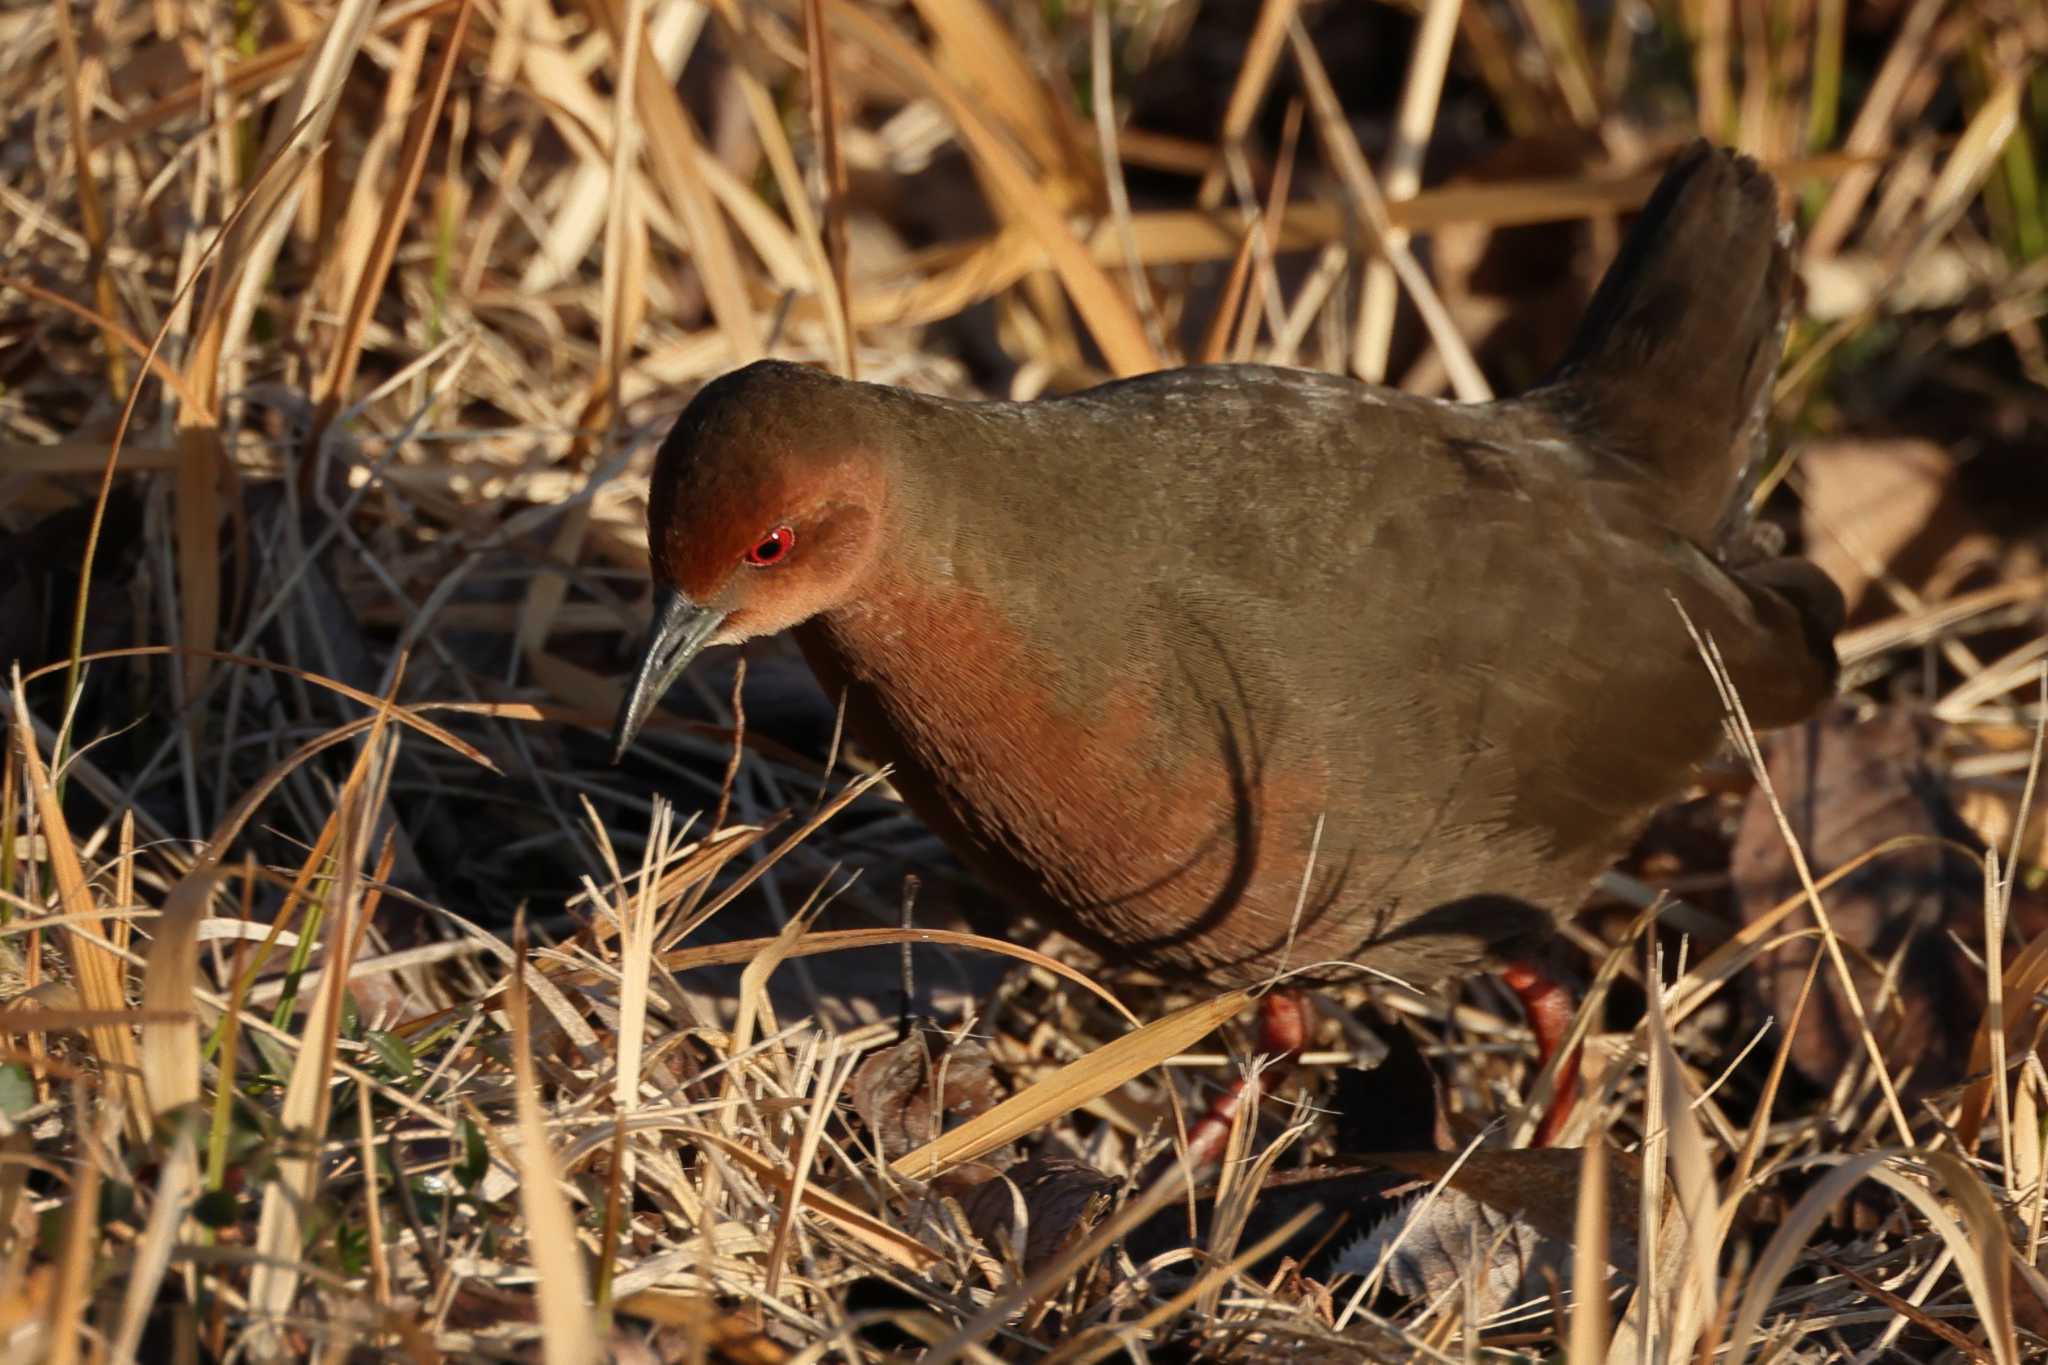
(1234,665)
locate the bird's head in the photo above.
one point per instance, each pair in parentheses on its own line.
(765,510)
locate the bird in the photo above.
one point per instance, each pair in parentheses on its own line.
(1236,670)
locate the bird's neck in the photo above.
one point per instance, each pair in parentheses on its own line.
(936,681)
(987,525)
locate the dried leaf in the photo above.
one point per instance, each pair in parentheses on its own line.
(1059,1199)
(1849,783)
(1883,506)
(1540,1186)
(905,1093)
(1452,1239)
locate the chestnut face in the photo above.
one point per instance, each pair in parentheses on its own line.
(749,533)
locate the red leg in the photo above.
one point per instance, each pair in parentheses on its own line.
(1283,1033)
(1550,1006)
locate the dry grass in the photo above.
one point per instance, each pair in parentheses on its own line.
(334,340)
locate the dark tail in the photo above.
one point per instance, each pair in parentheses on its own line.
(1672,366)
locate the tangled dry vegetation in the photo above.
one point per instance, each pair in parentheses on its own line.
(356,1009)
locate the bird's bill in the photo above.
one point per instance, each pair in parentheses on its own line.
(681,628)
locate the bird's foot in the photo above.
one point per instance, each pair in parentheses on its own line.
(1549,1004)
(1283,1033)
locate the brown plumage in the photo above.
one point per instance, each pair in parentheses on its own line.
(1131,649)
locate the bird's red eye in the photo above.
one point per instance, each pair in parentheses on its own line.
(773,548)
